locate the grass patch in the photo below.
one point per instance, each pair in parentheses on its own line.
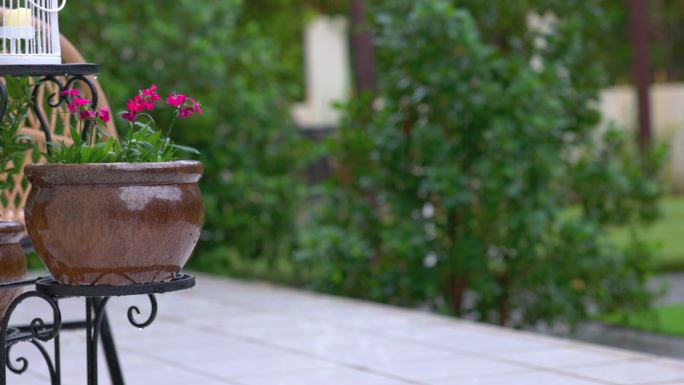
(667,319)
(667,233)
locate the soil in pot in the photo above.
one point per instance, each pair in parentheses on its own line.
(116,223)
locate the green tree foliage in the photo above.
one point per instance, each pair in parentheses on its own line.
(250,148)
(457,183)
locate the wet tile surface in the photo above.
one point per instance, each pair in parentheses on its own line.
(231,332)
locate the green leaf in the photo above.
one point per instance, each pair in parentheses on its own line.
(186,149)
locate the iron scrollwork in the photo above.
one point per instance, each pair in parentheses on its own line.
(36,333)
(133,310)
(4,99)
(54,100)
(95,314)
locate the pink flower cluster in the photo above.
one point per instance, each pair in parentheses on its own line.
(144,101)
(186,105)
(78,105)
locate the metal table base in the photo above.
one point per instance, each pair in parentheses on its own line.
(39,332)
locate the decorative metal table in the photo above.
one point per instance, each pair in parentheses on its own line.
(38,332)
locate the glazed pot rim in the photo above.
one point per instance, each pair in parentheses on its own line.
(10,227)
(11,232)
(157,173)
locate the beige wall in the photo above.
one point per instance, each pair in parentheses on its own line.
(618,105)
(327,72)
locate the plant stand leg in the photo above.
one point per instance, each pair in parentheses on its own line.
(95,311)
(57,374)
(91,344)
(110,353)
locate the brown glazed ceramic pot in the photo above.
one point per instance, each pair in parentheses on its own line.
(114,224)
(12,262)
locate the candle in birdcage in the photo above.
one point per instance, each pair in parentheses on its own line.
(20,17)
(30,34)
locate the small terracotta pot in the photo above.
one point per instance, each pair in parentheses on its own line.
(115,224)
(12,262)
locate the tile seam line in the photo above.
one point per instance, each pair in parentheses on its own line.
(310,355)
(265,311)
(668,382)
(337,364)
(561,343)
(408,311)
(599,381)
(418,343)
(591,365)
(153,357)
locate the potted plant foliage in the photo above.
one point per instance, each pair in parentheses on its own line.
(116,211)
(13,148)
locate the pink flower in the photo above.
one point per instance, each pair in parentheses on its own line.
(144,102)
(130,116)
(69,93)
(80,102)
(103,115)
(196,106)
(87,115)
(176,100)
(72,108)
(184,113)
(186,105)
(134,106)
(151,94)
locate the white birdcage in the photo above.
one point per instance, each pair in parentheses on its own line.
(30,32)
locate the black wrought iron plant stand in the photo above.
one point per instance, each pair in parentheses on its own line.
(39,331)
(96,325)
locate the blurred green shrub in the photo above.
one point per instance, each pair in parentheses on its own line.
(251,150)
(455,181)
(456,184)
(284,21)
(14,144)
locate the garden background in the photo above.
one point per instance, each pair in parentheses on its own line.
(469,181)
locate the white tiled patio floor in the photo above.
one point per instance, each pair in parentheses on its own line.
(231,332)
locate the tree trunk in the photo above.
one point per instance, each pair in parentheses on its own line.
(504,300)
(457,288)
(638,30)
(363,53)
